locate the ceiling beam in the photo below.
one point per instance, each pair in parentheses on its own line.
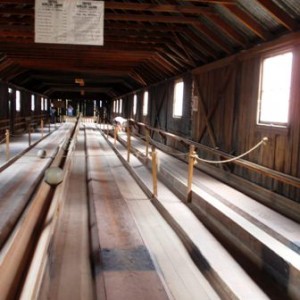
(158,8)
(279,14)
(226,28)
(249,22)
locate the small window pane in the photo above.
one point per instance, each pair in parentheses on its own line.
(18,101)
(121,106)
(275,89)
(178,99)
(117,106)
(32,102)
(134,104)
(145,104)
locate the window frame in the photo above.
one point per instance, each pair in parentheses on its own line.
(134,106)
(32,102)
(120,105)
(273,123)
(18,101)
(145,103)
(176,100)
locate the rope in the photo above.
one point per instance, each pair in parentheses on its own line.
(263,141)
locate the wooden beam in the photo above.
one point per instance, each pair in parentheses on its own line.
(158,8)
(212,36)
(150,18)
(229,30)
(204,47)
(249,22)
(185,49)
(205,115)
(279,14)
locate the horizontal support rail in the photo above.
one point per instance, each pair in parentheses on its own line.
(284,178)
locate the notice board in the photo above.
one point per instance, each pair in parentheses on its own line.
(69,22)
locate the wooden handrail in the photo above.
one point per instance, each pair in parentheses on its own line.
(285,178)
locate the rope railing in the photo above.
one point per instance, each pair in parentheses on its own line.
(262,142)
(191,155)
(8,135)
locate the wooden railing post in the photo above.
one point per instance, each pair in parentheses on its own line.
(190,172)
(154,171)
(7,144)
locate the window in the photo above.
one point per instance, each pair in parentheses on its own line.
(178,99)
(134,105)
(120,105)
(274,94)
(145,103)
(32,102)
(114,108)
(42,103)
(18,101)
(46,104)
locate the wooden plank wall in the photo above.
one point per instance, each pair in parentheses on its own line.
(228,91)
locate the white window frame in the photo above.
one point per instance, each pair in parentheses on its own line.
(117,106)
(274,90)
(178,98)
(18,100)
(114,106)
(120,106)
(134,104)
(145,103)
(32,102)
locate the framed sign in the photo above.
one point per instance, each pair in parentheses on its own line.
(69,22)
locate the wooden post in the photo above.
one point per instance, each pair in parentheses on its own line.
(7,144)
(128,143)
(42,127)
(190,172)
(154,171)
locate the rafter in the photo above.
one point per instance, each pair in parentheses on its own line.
(279,14)
(249,22)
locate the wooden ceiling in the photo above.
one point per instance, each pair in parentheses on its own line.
(145,42)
